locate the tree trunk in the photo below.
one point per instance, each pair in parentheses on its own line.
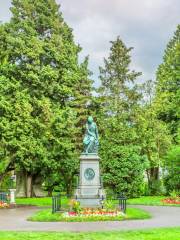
(50,191)
(28,185)
(154,173)
(152,180)
(69,187)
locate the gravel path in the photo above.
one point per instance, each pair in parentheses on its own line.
(15,219)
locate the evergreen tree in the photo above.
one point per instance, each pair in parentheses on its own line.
(117,81)
(154,138)
(172,166)
(167,100)
(44,91)
(122,163)
(168,85)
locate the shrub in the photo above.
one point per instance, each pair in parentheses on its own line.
(109,205)
(75,206)
(172,164)
(123,168)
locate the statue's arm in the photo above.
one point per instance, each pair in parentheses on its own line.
(88,132)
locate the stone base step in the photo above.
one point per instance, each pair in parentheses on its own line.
(88,197)
(89,201)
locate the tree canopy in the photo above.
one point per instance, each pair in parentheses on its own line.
(122,163)
(46,94)
(168,85)
(44,90)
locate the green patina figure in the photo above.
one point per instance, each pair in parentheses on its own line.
(90,140)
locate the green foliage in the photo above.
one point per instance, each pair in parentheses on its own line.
(75,206)
(154,138)
(45,96)
(167,85)
(5,184)
(122,161)
(167,106)
(43,92)
(54,182)
(123,167)
(174,194)
(172,165)
(109,205)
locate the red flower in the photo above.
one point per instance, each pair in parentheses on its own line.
(171,201)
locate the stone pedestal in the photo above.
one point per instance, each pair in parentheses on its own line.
(12,196)
(20,184)
(89,192)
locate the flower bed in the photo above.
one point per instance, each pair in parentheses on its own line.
(171,200)
(90,212)
(3,204)
(46,215)
(78,213)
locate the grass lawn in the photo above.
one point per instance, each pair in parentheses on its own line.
(150,200)
(145,200)
(47,216)
(155,234)
(44,201)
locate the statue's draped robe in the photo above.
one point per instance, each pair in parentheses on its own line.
(91,138)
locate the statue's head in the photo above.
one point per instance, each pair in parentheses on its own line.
(90,119)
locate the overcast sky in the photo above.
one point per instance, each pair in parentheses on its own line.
(146,25)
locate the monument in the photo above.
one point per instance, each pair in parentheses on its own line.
(90,191)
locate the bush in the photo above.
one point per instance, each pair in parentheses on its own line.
(157,188)
(75,206)
(109,205)
(174,194)
(123,168)
(172,164)
(5,184)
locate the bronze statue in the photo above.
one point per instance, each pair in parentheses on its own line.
(90,140)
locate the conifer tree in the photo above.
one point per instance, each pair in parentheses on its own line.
(44,91)
(168,85)
(117,81)
(154,138)
(122,163)
(167,101)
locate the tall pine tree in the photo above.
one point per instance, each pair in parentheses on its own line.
(122,164)
(167,100)
(168,85)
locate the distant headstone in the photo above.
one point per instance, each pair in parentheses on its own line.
(23,188)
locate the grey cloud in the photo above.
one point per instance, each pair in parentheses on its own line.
(4,10)
(146,25)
